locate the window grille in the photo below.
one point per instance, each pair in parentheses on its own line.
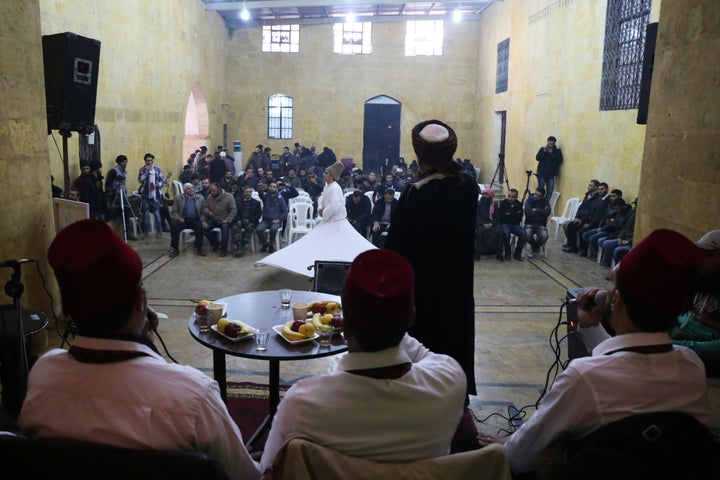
(352,38)
(501,73)
(280,115)
(623,55)
(281,38)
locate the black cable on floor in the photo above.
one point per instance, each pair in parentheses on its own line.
(165,347)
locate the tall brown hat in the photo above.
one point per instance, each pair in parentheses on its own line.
(335,170)
(434,142)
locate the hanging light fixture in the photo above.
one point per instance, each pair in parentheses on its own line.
(457,16)
(350,18)
(244,13)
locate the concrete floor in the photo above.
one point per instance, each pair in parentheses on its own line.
(517,305)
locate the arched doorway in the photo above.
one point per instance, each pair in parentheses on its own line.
(381,132)
(197,130)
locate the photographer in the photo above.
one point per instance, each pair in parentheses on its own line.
(549,159)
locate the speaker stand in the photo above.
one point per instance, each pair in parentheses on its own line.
(66,167)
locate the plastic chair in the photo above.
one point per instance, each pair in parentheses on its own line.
(370,194)
(553,201)
(300,220)
(178,188)
(568,214)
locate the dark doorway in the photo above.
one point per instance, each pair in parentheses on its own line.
(381,132)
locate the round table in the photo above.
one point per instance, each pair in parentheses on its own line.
(262,310)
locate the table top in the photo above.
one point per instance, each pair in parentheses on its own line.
(262,310)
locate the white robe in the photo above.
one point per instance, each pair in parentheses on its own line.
(333,239)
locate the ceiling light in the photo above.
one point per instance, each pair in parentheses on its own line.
(244,14)
(457,16)
(350,18)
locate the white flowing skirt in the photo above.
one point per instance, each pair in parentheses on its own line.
(331,241)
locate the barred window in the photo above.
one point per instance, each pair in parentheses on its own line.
(281,38)
(351,38)
(501,72)
(623,55)
(424,38)
(280,115)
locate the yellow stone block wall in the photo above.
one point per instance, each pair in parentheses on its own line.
(681,165)
(329,90)
(26,222)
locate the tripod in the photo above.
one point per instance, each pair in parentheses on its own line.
(500,172)
(527,192)
(122,199)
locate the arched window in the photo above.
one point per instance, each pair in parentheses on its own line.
(280,115)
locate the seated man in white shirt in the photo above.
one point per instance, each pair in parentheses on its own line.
(391,399)
(112,386)
(636,371)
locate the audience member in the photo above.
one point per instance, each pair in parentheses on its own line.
(608,224)
(287,161)
(112,386)
(248,216)
(433,228)
(488,236)
(382,214)
(256,159)
(86,187)
(509,216)
(616,248)
(358,212)
(221,213)
(57,192)
(116,195)
(636,371)
(228,181)
(585,210)
(549,159)
(699,327)
(189,211)
(388,382)
(274,211)
(537,210)
(204,186)
(292,179)
(599,211)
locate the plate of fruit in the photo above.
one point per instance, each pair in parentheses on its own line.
(233,330)
(296,331)
(324,306)
(334,320)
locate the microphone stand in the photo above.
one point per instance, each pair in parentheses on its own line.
(14,289)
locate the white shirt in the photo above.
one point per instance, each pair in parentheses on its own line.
(408,418)
(143,403)
(607,386)
(333,203)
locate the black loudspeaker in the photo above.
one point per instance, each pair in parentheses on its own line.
(647,71)
(71,75)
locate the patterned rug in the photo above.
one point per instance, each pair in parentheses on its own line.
(248,406)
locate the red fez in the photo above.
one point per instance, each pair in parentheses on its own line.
(97,271)
(659,269)
(378,293)
(434,142)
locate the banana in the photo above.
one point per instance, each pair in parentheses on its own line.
(289,334)
(316,320)
(221,324)
(307,330)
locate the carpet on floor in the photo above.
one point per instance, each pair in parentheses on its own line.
(248,405)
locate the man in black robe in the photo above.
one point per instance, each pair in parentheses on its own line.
(433,227)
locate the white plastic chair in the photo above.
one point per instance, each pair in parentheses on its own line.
(299,199)
(553,201)
(300,220)
(178,188)
(370,194)
(568,214)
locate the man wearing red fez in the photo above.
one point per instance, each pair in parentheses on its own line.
(636,371)
(112,386)
(433,227)
(391,399)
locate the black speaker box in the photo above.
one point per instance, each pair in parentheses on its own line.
(71,75)
(647,71)
(330,276)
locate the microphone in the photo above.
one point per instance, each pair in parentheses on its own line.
(599,300)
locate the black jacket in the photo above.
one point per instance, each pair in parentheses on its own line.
(509,213)
(537,211)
